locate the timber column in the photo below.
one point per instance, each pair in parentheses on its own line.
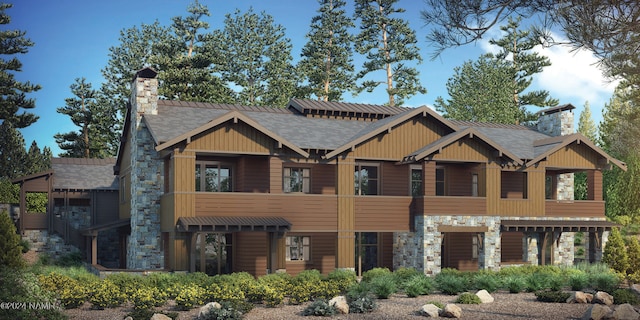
(346,214)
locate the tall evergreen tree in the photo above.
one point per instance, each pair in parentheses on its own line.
(184,66)
(13,92)
(587,127)
(516,45)
(93,138)
(389,45)
(620,126)
(253,54)
(12,151)
(36,160)
(615,253)
(10,248)
(327,60)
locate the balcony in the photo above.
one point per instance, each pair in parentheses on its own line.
(450,205)
(383,213)
(574,208)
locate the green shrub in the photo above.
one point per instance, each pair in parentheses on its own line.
(364,303)
(578,282)
(487,281)
(402,275)
(607,282)
(223,291)
(148,297)
(451,283)
(272,297)
(537,281)
(468,298)
(418,285)
(615,253)
(10,248)
(344,277)
(160,280)
(622,296)
(369,275)
(227,311)
(319,307)
(278,281)
(73,259)
(327,289)
(23,287)
(106,295)
(128,283)
(556,282)
(308,276)
(383,286)
(552,296)
(26,245)
(515,283)
(359,290)
(189,296)
(71,292)
(436,303)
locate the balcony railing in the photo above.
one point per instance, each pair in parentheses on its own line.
(445,205)
(574,208)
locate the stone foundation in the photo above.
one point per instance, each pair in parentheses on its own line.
(51,244)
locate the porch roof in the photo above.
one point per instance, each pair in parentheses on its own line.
(93,230)
(232,224)
(556,225)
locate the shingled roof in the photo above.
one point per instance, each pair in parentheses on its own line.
(83,174)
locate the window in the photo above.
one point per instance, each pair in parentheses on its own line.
(474,184)
(296,180)
(440,183)
(474,246)
(416,181)
(298,248)
(213,177)
(549,187)
(365,180)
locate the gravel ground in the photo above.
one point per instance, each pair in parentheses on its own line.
(506,306)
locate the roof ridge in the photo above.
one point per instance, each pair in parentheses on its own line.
(221,106)
(492,125)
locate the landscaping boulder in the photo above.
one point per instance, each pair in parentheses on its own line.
(484,296)
(451,311)
(430,310)
(159,316)
(602,297)
(340,303)
(128,318)
(204,310)
(580,297)
(597,312)
(636,288)
(625,312)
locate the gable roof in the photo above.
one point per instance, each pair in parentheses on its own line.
(446,140)
(83,174)
(305,106)
(548,146)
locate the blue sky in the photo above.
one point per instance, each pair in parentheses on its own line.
(72,38)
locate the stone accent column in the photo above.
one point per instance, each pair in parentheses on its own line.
(604,237)
(531,247)
(432,244)
(564,253)
(490,253)
(408,247)
(144,249)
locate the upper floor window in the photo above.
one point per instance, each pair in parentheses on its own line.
(298,248)
(416,181)
(365,179)
(213,177)
(296,180)
(440,181)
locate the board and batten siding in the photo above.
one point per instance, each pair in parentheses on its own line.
(346,214)
(466,149)
(250,253)
(322,250)
(574,156)
(232,137)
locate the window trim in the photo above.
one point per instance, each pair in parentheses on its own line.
(444,180)
(288,246)
(378,179)
(204,163)
(307,179)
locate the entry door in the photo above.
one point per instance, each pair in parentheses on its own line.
(366,251)
(214,253)
(460,251)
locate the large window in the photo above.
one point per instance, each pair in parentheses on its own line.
(416,181)
(296,180)
(298,248)
(440,182)
(213,177)
(365,179)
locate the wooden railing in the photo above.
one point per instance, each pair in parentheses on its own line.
(574,208)
(441,205)
(383,213)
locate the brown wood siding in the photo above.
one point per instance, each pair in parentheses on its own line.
(534,205)
(346,215)
(594,183)
(323,179)
(252,174)
(512,184)
(574,156)
(305,212)
(458,179)
(570,208)
(323,257)
(275,175)
(232,138)
(492,185)
(511,247)
(429,178)
(250,253)
(466,149)
(457,251)
(403,139)
(382,213)
(386,250)
(394,179)
(455,205)
(181,203)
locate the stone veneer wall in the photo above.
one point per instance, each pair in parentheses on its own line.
(144,249)
(51,244)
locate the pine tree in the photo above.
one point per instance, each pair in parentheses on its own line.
(10,248)
(389,45)
(37,161)
(327,60)
(12,151)
(587,127)
(615,252)
(93,138)
(633,249)
(13,97)
(253,54)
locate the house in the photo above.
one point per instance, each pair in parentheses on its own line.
(80,210)
(220,188)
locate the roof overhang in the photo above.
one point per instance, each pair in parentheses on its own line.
(93,230)
(233,224)
(556,225)
(234,116)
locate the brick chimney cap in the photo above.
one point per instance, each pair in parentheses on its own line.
(146,72)
(561,108)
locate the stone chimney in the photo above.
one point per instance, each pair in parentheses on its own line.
(558,121)
(144,247)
